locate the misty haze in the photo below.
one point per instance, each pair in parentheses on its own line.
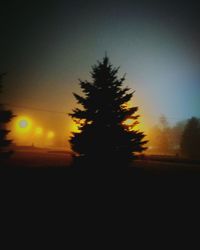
(102,87)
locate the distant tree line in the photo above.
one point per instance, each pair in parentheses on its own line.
(190,140)
(182,139)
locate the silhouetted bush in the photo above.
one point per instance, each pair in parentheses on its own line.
(5,117)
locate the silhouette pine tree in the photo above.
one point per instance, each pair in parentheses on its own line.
(190,141)
(104,138)
(5,117)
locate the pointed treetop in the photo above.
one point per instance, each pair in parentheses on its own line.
(106,60)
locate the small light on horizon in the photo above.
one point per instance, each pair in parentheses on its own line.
(38,131)
(50,135)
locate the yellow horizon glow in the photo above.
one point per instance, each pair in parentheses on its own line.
(74,127)
(132,124)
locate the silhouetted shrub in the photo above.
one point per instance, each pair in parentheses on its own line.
(5,117)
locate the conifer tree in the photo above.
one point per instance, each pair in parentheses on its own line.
(5,117)
(190,141)
(104,136)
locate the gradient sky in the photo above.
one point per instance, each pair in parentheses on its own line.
(47,47)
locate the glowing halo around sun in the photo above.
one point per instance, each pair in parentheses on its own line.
(23,124)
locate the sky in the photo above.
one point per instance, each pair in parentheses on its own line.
(47,46)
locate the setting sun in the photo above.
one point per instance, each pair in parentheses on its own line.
(23,124)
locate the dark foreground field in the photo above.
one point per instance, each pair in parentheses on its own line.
(43,162)
(49,175)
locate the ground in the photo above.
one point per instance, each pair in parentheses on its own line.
(59,161)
